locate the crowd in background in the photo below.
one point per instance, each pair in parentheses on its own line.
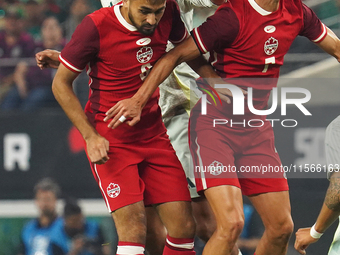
(27,27)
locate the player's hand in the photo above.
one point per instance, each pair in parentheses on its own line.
(303,240)
(47,59)
(226,95)
(97,148)
(126,109)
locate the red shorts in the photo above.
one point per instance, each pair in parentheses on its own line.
(237,156)
(145,170)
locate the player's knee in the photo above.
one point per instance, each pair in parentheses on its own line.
(190,227)
(183,228)
(281,231)
(133,233)
(230,229)
(131,227)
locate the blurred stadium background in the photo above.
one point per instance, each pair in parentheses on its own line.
(41,142)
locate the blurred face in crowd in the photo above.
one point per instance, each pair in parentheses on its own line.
(144,14)
(51,32)
(80,8)
(13,25)
(34,11)
(46,202)
(74,224)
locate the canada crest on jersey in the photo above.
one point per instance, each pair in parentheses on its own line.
(144,54)
(113,190)
(271,45)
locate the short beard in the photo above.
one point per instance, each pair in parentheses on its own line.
(140,28)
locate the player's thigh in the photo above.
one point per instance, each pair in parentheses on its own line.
(226,203)
(274,209)
(118,179)
(162,173)
(213,160)
(130,222)
(177,130)
(260,168)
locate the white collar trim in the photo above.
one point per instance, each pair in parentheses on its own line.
(121,18)
(258,8)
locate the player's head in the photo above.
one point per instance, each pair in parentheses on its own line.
(46,195)
(144,14)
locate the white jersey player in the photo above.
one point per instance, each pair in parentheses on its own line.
(331,208)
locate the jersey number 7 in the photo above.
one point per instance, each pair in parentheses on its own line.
(267,62)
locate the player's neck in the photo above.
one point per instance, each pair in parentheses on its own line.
(269,5)
(124,12)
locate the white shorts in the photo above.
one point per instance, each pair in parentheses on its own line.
(178,134)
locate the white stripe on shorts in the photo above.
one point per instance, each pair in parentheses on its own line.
(204,182)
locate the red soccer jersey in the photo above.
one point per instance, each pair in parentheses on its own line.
(248,41)
(118,59)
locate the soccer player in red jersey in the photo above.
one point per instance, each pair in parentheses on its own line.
(247,39)
(133,164)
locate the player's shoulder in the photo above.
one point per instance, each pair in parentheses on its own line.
(170,8)
(230,6)
(293,5)
(229,9)
(102,15)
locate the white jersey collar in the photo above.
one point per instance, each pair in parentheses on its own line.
(121,18)
(258,8)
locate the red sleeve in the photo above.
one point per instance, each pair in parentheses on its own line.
(178,31)
(313,28)
(218,32)
(83,46)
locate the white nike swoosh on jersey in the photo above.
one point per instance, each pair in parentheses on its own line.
(270,29)
(143,41)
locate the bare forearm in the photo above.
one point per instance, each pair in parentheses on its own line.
(62,90)
(184,52)
(202,67)
(158,74)
(331,208)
